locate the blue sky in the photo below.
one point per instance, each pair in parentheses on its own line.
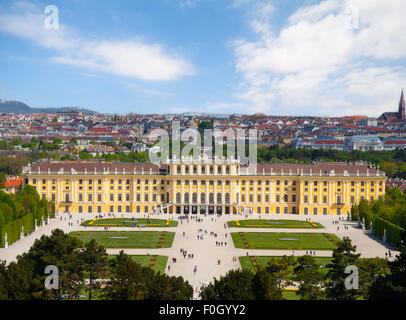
(304,57)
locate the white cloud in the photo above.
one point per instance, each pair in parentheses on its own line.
(188,3)
(128,58)
(315,60)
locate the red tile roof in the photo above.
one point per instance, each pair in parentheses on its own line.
(13,182)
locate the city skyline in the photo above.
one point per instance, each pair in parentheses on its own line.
(164,57)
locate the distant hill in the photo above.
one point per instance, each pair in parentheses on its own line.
(8,106)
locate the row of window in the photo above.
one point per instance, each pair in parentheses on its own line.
(193,169)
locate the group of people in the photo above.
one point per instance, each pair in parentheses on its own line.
(220,243)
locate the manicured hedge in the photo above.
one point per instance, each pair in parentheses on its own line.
(21,211)
(379,224)
(393,232)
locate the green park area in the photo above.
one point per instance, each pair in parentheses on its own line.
(284,241)
(252,262)
(130,222)
(157,263)
(267,223)
(128,239)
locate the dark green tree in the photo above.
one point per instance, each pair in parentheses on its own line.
(235,285)
(310,278)
(94,258)
(343,256)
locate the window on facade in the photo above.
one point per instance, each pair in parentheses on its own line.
(227,170)
(211,197)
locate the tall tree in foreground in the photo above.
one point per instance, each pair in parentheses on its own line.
(392,285)
(265,286)
(94,257)
(235,285)
(128,280)
(280,269)
(343,256)
(310,278)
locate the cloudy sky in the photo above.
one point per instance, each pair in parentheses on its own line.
(280,57)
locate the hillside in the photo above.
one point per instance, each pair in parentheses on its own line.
(8,106)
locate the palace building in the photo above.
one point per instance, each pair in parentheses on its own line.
(206,187)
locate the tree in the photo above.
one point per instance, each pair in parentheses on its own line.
(128,280)
(57,141)
(3,282)
(164,287)
(343,256)
(393,284)
(308,274)
(235,285)
(61,250)
(265,286)
(280,268)
(369,270)
(94,257)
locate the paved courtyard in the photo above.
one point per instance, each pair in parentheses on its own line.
(205,252)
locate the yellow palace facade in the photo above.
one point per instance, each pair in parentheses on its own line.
(206,188)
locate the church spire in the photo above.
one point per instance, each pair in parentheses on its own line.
(401,112)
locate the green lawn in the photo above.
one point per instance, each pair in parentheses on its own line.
(133,239)
(271,240)
(130,222)
(290,295)
(267,223)
(159,265)
(246,263)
